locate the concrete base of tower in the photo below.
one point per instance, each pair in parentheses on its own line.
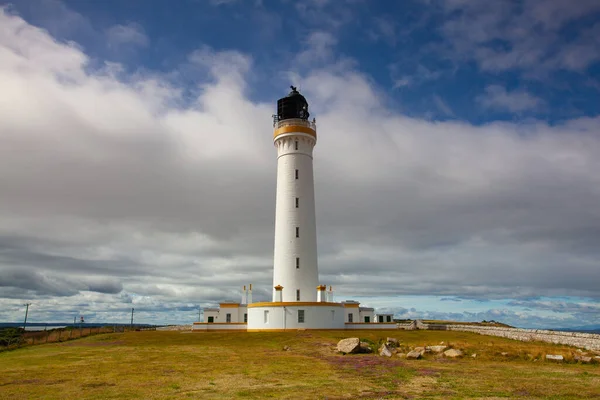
(277,316)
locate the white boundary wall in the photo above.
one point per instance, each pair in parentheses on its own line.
(286,317)
(589,341)
(368,326)
(206,327)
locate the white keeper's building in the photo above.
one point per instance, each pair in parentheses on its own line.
(299,301)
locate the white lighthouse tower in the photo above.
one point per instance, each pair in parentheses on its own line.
(295,269)
(299,301)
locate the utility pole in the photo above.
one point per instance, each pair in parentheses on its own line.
(26,312)
(131,327)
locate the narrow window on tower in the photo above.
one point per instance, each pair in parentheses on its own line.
(297,232)
(296,174)
(296,145)
(297,202)
(297,262)
(297,294)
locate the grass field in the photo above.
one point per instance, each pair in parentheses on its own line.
(172,365)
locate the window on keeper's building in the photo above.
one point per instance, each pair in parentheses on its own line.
(350,317)
(228,318)
(245,318)
(300,316)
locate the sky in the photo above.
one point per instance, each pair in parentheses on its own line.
(456,169)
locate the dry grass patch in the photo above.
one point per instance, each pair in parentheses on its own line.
(172,365)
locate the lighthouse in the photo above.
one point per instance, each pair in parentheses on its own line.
(299,300)
(295,269)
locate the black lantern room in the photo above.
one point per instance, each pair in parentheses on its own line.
(294,105)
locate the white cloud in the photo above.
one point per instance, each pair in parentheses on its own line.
(131,34)
(498,98)
(501,36)
(442,106)
(319,49)
(421,74)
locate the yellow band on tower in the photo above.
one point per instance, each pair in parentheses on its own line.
(294,129)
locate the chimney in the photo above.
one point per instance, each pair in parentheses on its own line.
(330,295)
(278,294)
(250,295)
(321,294)
(244,295)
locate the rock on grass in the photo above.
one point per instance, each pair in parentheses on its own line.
(453,353)
(349,346)
(415,354)
(385,351)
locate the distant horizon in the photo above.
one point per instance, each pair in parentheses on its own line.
(590,328)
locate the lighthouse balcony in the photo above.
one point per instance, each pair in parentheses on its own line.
(294,126)
(294,122)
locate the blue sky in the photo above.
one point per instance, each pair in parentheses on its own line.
(427,56)
(455,169)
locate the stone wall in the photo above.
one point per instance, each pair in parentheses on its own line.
(175,328)
(589,341)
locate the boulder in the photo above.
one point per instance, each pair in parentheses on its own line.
(365,347)
(385,351)
(554,357)
(583,359)
(504,353)
(286,348)
(415,354)
(453,353)
(401,355)
(349,346)
(436,349)
(474,355)
(391,342)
